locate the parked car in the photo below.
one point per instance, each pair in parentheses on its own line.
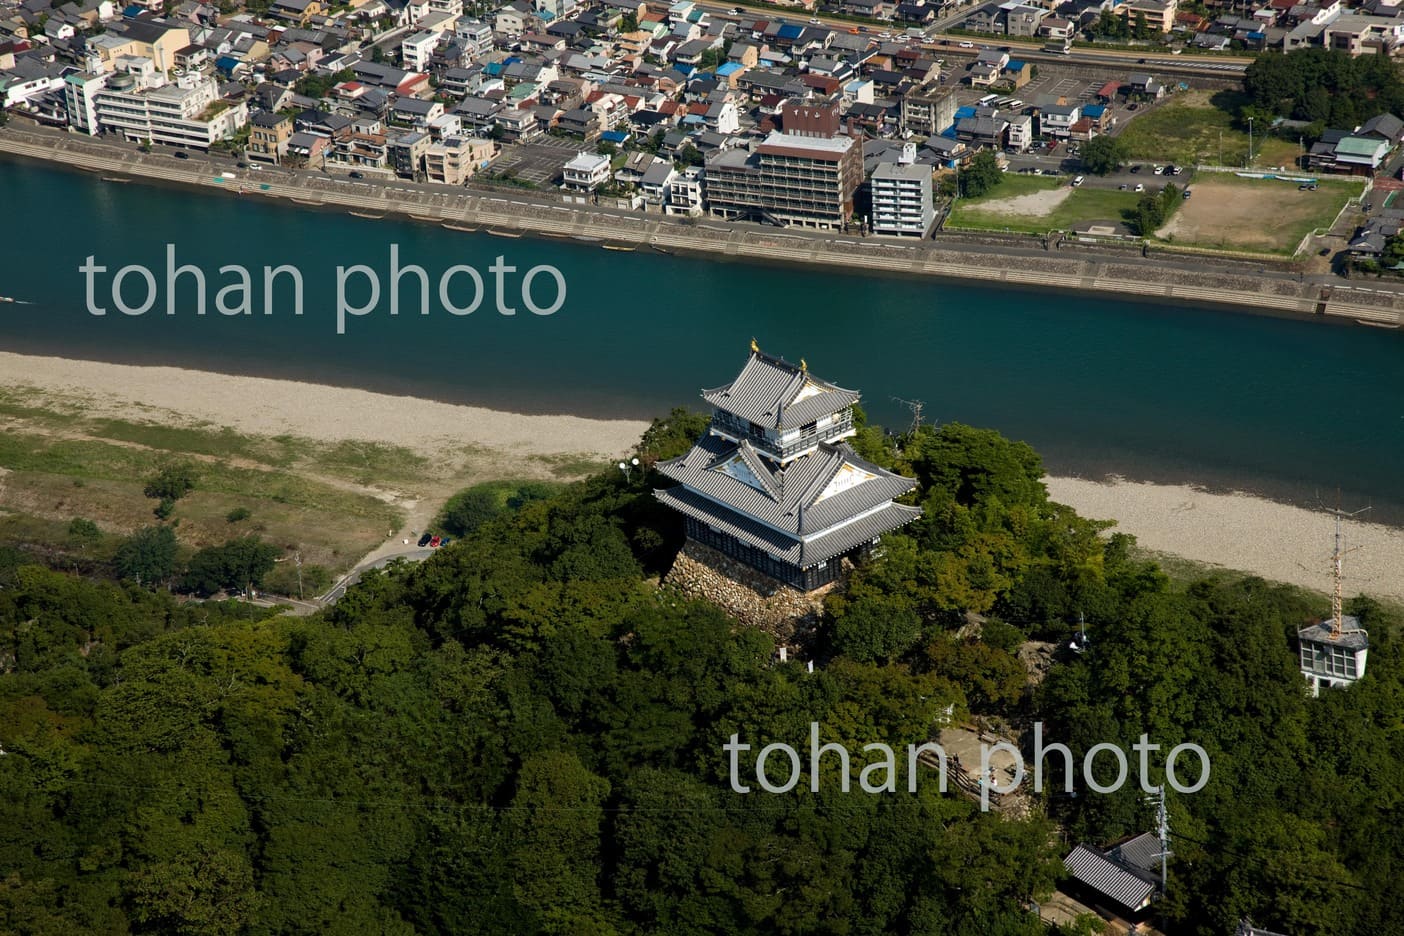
(1140,187)
(1136,168)
(1173,170)
(1123,186)
(181,154)
(434,543)
(357,175)
(424,540)
(1132,107)
(1077,181)
(1186,194)
(967,45)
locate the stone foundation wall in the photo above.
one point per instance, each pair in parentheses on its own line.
(787,614)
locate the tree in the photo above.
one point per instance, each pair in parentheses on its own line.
(83,531)
(171,483)
(982,175)
(239,563)
(689,155)
(148,557)
(1103,154)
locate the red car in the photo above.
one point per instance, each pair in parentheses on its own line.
(434,543)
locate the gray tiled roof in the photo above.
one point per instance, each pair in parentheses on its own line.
(1107,877)
(765,392)
(801,553)
(789,499)
(1142,852)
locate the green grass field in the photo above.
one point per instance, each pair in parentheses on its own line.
(1197,128)
(1015,205)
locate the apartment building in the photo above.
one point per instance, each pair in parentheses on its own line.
(190,113)
(928,109)
(790,179)
(902,200)
(457,159)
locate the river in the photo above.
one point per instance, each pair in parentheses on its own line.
(1277,406)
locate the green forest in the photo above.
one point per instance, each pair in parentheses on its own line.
(524,733)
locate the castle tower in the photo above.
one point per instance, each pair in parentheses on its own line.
(773,485)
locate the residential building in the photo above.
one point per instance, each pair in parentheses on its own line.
(685,194)
(1159,14)
(457,159)
(80,95)
(1019,135)
(586,172)
(773,485)
(142,39)
(1023,20)
(789,179)
(902,200)
(1057,119)
(1359,34)
(416,50)
(407,151)
(268,137)
(929,109)
(190,113)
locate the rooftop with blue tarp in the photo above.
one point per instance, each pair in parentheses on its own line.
(966,111)
(1014,65)
(1093,110)
(789,31)
(730,68)
(614,136)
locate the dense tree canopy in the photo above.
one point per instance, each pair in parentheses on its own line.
(525,734)
(1328,86)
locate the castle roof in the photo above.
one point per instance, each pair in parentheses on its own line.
(774,393)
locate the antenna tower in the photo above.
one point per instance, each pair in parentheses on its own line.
(1337,555)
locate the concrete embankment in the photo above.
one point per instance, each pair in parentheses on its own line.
(1163,278)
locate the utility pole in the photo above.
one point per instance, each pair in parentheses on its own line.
(915,406)
(1250,142)
(1162,821)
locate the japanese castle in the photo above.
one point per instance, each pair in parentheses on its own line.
(773,485)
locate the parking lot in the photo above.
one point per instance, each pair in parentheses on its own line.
(539,161)
(1068,84)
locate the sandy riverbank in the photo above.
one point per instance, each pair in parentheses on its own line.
(1235,531)
(1239,531)
(265,406)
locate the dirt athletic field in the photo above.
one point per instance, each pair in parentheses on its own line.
(1256,214)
